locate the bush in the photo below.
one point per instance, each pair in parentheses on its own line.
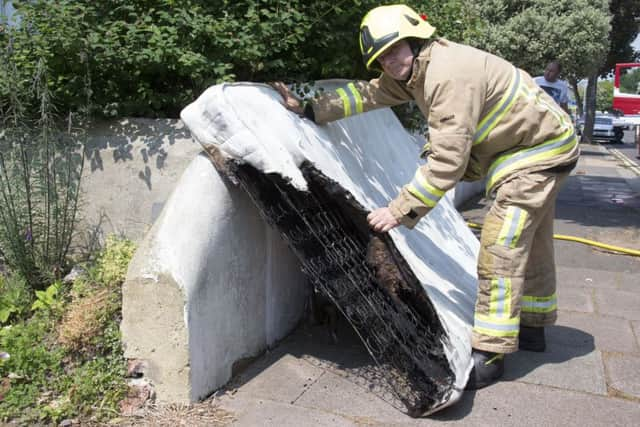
(150,58)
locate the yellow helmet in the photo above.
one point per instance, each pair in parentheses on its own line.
(385,25)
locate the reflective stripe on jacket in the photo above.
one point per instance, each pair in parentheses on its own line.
(486,118)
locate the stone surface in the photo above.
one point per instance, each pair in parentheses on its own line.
(259,412)
(271,384)
(332,393)
(568,276)
(636,331)
(575,299)
(618,303)
(609,333)
(560,366)
(624,373)
(517,404)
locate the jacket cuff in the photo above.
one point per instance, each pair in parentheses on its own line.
(407,210)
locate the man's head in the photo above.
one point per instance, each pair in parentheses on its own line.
(383,27)
(552,72)
(397,60)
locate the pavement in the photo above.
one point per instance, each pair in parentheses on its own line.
(589,375)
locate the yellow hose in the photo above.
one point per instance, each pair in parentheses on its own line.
(613,248)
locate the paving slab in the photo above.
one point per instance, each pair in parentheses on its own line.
(262,412)
(613,334)
(283,381)
(629,282)
(337,394)
(623,372)
(575,299)
(567,276)
(518,404)
(560,366)
(618,303)
(636,330)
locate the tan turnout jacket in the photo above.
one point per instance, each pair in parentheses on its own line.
(486,118)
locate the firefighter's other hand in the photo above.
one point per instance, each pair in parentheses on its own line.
(289,101)
(382,220)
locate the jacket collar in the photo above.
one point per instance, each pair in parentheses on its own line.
(420,65)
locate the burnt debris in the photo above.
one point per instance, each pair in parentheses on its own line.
(366,278)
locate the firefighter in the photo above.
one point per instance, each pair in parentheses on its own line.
(487,119)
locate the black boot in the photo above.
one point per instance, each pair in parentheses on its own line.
(532,338)
(487,368)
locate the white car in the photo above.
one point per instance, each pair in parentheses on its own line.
(605,128)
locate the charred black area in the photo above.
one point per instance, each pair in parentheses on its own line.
(365,276)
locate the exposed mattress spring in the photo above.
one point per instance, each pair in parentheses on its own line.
(397,323)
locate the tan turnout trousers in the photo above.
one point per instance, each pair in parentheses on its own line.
(516,269)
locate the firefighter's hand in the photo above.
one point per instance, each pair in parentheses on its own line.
(382,220)
(289,101)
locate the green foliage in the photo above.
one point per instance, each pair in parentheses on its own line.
(113,261)
(35,364)
(52,381)
(531,33)
(604,98)
(151,58)
(98,384)
(624,30)
(630,81)
(49,299)
(15,297)
(40,169)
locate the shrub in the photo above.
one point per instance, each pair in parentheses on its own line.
(150,58)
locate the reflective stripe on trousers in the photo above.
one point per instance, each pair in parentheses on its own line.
(531,304)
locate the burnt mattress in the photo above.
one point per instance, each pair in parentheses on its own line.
(409,294)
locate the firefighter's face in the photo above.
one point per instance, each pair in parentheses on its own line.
(397,60)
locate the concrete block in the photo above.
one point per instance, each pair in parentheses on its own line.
(210,285)
(618,303)
(623,371)
(609,333)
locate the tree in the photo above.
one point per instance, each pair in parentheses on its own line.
(604,98)
(533,32)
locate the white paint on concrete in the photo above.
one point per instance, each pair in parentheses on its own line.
(241,288)
(371,156)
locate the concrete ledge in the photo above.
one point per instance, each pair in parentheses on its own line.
(211,284)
